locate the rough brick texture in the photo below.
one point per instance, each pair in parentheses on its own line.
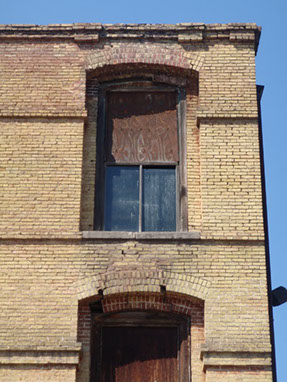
(51,270)
(41,173)
(241,375)
(27,373)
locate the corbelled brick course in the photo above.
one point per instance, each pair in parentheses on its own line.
(50,270)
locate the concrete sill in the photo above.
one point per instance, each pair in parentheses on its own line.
(118,235)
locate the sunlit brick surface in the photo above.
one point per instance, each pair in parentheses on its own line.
(49,273)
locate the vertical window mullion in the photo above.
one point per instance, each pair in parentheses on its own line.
(140,197)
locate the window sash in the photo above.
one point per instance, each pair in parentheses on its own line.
(161,210)
(121,198)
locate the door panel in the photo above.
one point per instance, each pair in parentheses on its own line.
(139,354)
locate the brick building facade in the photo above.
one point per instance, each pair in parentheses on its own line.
(70,279)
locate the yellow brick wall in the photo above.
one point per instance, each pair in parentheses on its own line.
(41,78)
(231,182)
(47,180)
(193,160)
(238,376)
(26,373)
(41,166)
(227,80)
(39,279)
(227,77)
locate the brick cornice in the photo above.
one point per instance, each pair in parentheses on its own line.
(93,32)
(79,28)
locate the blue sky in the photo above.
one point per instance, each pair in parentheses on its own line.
(271,66)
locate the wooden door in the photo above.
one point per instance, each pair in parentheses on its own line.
(139,347)
(139,354)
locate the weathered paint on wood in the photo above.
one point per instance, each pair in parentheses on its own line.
(142,127)
(139,354)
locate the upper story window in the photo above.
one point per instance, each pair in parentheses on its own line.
(139,171)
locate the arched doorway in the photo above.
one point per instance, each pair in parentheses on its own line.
(147,299)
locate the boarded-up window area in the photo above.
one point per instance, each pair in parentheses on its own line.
(138,160)
(142,127)
(140,347)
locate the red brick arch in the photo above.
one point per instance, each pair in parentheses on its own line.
(162,302)
(142,301)
(150,54)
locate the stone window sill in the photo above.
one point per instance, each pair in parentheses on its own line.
(118,235)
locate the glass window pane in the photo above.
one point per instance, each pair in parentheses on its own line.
(159,199)
(122,198)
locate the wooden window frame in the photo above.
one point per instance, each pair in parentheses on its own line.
(140,319)
(181,176)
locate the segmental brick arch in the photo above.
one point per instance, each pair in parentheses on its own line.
(150,54)
(142,281)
